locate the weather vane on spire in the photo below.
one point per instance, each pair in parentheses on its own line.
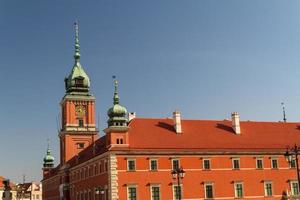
(283,111)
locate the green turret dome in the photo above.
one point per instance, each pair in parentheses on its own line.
(117,113)
(78,80)
(48,159)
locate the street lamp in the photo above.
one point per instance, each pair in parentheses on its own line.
(289,154)
(178,174)
(100,191)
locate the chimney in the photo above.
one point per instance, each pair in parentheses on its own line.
(236,123)
(131,116)
(177,121)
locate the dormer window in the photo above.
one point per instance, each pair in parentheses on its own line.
(79,81)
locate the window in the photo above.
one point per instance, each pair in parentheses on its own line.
(153,164)
(236,163)
(206,164)
(259,163)
(131,165)
(131,193)
(294,187)
(80,145)
(177,192)
(268,188)
(274,163)
(80,122)
(238,190)
(293,163)
(155,192)
(175,164)
(208,188)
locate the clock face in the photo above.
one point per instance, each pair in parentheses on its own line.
(80,111)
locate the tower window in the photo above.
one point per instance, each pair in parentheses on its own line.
(80,145)
(79,81)
(80,122)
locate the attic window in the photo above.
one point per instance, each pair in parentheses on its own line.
(80,145)
(79,81)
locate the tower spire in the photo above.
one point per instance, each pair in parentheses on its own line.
(77,46)
(283,112)
(116,96)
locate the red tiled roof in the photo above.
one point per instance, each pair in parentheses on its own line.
(212,135)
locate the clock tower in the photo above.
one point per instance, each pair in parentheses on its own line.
(78,128)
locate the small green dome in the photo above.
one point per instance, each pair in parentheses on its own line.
(117,114)
(48,159)
(117,110)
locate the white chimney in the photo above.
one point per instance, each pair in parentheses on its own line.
(131,116)
(236,123)
(177,121)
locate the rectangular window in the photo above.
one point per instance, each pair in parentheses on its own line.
(274,163)
(238,188)
(208,187)
(153,164)
(131,193)
(268,189)
(206,164)
(259,163)
(131,165)
(293,163)
(294,187)
(80,122)
(155,193)
(236,163)
(177,192)
(175,164)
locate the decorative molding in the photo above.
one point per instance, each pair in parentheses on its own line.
(113,177)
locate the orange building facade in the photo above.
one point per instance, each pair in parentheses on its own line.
(222,159)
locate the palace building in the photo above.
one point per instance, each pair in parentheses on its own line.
(218,159)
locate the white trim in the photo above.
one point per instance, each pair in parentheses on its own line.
(131,186)
(239,163)
(181,190)
(127,161)
(235,189)
(173,159)
(274,158)
(205,192)
(155,159)
(291,186)
(209,161)
(262,162)
(265,188)
(155,185)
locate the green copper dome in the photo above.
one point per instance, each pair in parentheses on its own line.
(78,80)
(48,159)
(117,113)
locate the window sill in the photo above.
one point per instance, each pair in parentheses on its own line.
(153,170)
(131,170)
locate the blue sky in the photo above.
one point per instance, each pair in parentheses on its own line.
(206,58)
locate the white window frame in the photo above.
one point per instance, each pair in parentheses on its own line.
(203,166)
(272,167)
(291,186)
(130,159)
(132,186)
(235,189)
(213,192)
(290,163)
(238,159)
(265,188)
(155,185)
(181,191)
(262,163)
(151,159)
(172,162)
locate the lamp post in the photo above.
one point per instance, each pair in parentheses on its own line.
(178,174)
(100,191)
(289,154)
